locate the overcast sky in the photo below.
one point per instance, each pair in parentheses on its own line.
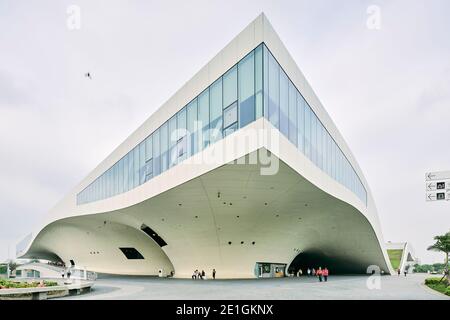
(387,90)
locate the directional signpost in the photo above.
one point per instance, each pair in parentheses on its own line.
(437,186)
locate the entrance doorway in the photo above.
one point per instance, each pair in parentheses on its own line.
(270,270)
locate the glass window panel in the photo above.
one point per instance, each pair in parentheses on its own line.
(319,144)
(120,176)
(301,122)
(116,179)
(258,81)
(230,115)
(173,141)
(142,162)
(94,191)
(307,131)
(192,143)
(130,170)
(215,95)
(230,129)
(149,170)
(148,148)
(230,87)
(274,91)
(266,82)
(125,173)
(156,154)
(284,104)
(313,138)
(164,141)
(330,156)
(338,165)
(292,113)
(246,79)
(136,167)
(108,184)
(203,118)
(181,130)
(333,160)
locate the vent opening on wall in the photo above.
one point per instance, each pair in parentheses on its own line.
(131,253)
(152,234)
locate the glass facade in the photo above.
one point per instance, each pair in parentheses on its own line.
(256,86)
(288,111)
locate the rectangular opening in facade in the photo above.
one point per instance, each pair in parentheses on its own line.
(131,253)
(152,234)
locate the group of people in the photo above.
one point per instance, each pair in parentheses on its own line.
(322,274)
(202,275)
(405,272)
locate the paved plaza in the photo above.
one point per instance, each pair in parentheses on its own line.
(338,287)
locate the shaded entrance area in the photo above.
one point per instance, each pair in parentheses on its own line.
(316,259)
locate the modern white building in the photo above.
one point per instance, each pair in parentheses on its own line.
(242,171)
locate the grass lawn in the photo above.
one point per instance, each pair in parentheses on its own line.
(441,287)
(395,256)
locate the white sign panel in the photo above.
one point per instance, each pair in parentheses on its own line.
(441,175)
(437,186)
(437,196)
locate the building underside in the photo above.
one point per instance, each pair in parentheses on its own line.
(228,219)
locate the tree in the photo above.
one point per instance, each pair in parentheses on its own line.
(12,266)
(443,245)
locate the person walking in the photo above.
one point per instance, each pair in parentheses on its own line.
(313,272)
(405,272)
(214,274)
(193,275)
(309,272)
(203,274)
(325,274)
(398,272)
(319,274)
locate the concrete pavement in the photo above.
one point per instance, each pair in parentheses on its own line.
(338,287)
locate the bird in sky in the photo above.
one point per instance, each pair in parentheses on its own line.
(88,75)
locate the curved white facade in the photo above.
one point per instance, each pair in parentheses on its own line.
(213,213)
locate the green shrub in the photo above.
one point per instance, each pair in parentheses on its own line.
(447,291)
(432,281)
(50,283)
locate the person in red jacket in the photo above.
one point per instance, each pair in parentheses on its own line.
(325,274)
(319,273)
